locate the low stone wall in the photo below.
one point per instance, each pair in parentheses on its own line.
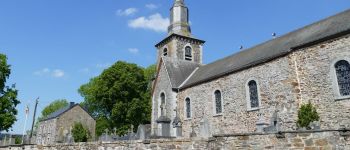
(316,140)
(322,140)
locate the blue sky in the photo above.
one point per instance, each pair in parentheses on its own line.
(56,46)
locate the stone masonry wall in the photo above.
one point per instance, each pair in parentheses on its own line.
(283,84)
(162,85)
(276,84)
(46,132)
(331,140)
(318,82)
(68,119)
(196,50)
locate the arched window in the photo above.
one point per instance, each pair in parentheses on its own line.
(162,104)
(188,53)
(253,94)
(218,102)
(342,70)
(165,52)
(188,107)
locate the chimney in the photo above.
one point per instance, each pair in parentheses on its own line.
(71,104)
(274,35)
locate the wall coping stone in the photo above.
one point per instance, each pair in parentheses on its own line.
(343,130)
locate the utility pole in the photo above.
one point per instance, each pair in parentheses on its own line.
(31,131)
(25,123)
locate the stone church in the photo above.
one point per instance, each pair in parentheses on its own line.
(255,88)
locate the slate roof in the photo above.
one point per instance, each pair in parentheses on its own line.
(59,112)
(178,70)
(328,28)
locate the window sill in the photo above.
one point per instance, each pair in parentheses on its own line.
(340,98)
(253,109)
(217,115)
(188,119)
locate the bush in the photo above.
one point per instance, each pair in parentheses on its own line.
(80,134)
(18,140)
(307,114)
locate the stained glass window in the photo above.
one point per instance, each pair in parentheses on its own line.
(188,108)
(188,53)
(165,52)
(342,69)
(218,105)
(253,93)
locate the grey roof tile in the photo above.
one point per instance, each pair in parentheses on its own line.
(59,112)
(178,70)
(320,31)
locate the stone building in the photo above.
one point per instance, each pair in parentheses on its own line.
(262,86)
(9,139)
(56,128)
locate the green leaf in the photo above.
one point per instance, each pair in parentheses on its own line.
(307,114)
(8,97)
(80,133)
(120,94)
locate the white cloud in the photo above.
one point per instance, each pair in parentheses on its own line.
(154,22)
(56,73)
(127,12)
(151,6)
(133,50)
(103,66)
(42,72)
(84,70)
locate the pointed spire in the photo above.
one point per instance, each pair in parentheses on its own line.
(179,19)
(181,2)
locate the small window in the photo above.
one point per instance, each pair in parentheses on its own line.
(218,102)
(253,94)
(165,52)
(188,107)
(188,53)
(342,69)
(162,104)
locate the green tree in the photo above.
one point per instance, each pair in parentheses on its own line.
(120,95)
(102,124)
(52,107)
(150,72)
(8,97)
(307,114)
(80,133)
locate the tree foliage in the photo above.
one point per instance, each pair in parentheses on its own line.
(102,123)
(307,114)
(52,107)
(8,97)
(120,97)
(80,133)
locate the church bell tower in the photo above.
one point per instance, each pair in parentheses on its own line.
(180,43)
(179,19)
(178,55)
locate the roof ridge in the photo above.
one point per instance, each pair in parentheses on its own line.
(59,112)
(284,35)
(325,29)
(184,82)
